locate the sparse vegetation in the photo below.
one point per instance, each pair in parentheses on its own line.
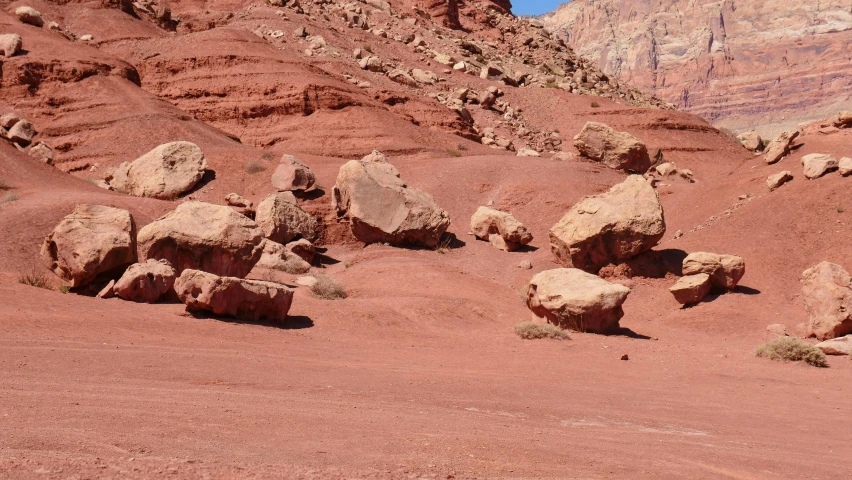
(596,105)
(453,152)
(35,279)
(551,84)
(445,245)
(267,155)
(254,166)
(294,265)
(64,289)
(9,197)
(533,330)
(328,289)
(793,350)
(462,147)
(368,48)
(839,209)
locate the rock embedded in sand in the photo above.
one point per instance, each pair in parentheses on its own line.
(382,208)
(146,282)
(845,166)
(302,248)
(42,152)
(237,200)
(29,15)
(22,133)
(618,150)
(751,141)
(487,222)
(292,174)
(610,227)
(691,289)
(11,44)
(827,292)
(165,172)
(282,220)
(836,346)
(572,298)
(778,179)
(527,152)
(816,165)
(250,300)
(780,147)
(91,241)
(203,236)
(725,271)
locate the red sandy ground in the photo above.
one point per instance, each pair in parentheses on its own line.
(418,372)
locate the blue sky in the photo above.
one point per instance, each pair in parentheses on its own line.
(535,7)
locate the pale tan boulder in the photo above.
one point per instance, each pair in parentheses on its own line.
(618,150)
(845,166)
(236,200)
(251,300)
(610,227)
(816,165)
(844,119)
(108,291)
(7,120)
(691,288)
(22,133)
(836,346)
(827,292)
(282,220)
(146,282)
(780,147)
(292,174)
(725,271)
(778,179)
(43,152)
(751,141)
(277,257)
(10,44)
(91,241)
(165,172)
(487,222)
(303,248)
(29,15)
(203,236)
(572,298)
(382,208)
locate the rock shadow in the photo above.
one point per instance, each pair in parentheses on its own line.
(293,322)
(209,176)
(309,195)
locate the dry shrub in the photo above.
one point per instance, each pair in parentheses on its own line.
(327,288)
(793,350)
(453,152)
(533,330)
(35,279)
(255,166)
(295,265)
(596,105)
(9,197)
(5,185)
(267,155)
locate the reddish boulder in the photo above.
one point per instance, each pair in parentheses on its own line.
(243,299)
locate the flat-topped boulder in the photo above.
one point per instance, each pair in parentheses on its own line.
(487,223)
(251,300)
(725,271)
(836,346)
(165,172)
(618,150)
(610,227)
(827,292)
(691,288)
(282,220)
(146,282)
(816,165)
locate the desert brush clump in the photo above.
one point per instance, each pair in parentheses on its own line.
(793,350)
(254,166)
(5,184)
(533,330)
(35,279)
(9,197)
(327,288)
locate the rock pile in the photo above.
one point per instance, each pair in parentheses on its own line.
(704,271)
(501,229)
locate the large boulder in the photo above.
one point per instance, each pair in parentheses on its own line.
(293,175)
(10,44)
(165,172)
(572,298)
(751,140)
(691,288)
(22,133)
(827,291)
(91,241)
(845,166)
(725,271)
(203,236)
(778,148)
(251,300)
(29,15)
(282,220)
(382,208)
(618,150)
(610,227)
(836,346)
(278,257)
(816,165)
(487,223)
(146,282)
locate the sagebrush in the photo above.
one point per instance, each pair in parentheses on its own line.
(793,350)
(255,166)
(35,279)
(533,331)
(327,288)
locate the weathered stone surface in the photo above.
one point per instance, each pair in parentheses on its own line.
(572,298)
(487,222)
(816,165)
(609,228)
(251,300)
(108,291)
(7,120)
(725,271)
(29,15)
(836,346)
(282,220)
(165,172)
(778,179)
(780,147)
(691,288)
(10,44)
(277,257)
(751,141)
(237,200)
(42,152)
(146,282)
(91,241)
(303,248)
(845,166)
(293,175)
(203,236)
(827,291)
(22,133)
(618,150)
(382,208)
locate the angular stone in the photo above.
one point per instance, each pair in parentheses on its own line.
(827,292)
(845,166)
(302,248)
(751,141)
(780,147)
(816,165)
(487,223)
(778,179)
(691,288)
(10,44)
(165,172)
(146,282)
(618,150)
(22,133)
(29,15)
(282,220)
(293,175)
(836,346)
(725,270)
(250,300)
(277,257)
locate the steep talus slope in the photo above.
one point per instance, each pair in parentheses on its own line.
(740,64)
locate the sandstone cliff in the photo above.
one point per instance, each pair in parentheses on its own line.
(738,63)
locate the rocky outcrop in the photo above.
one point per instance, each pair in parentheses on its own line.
(487,223)
(282,220)
(292,174)
(203,236)
(725,271)
(146,282)
(251,300)
(691,288)
(618,150)
(739,64)
(827,291)
(165,172)
(572,298)
(382,208)
(816,165)
(610,227)
(91,241)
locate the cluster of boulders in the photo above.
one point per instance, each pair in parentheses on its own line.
(702,272)
(21,133)
(668,171)
(816,165)
(501,229)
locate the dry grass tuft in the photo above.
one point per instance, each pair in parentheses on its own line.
(254,166)
(793,350)
(596,105)
(453,152)
(267,155)
(295,265)
(533,330)
(9,197)
(5,185)
(35,279)
(328,289)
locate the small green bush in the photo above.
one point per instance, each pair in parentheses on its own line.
(533,330)
(327,288)
(793,350)
(64,289)
(367,48)
(839,209)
